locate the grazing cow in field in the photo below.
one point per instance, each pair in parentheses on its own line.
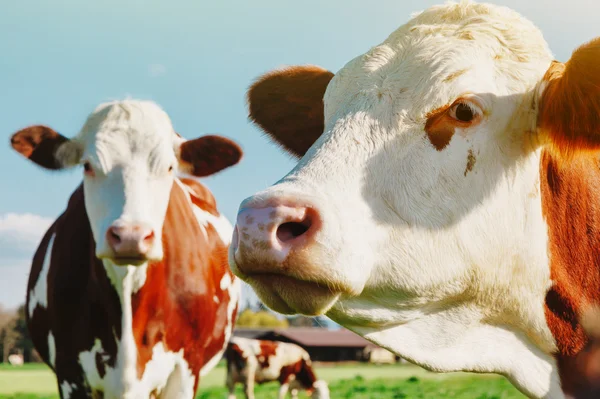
(464,233)
(252,361)
(129,294)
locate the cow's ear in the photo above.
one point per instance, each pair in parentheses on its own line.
(569,110)
(46,147)
(288,105)
(207,155)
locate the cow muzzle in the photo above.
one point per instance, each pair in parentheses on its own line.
(130,244)
(274,249)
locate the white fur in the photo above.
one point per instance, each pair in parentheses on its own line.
(131,146)
(39,294)
(234,290)
(51,349)
(66,389)
(165,372)
(446,268)
(219,223)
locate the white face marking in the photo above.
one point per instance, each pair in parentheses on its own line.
(39,294)
(131,149)
(440,265)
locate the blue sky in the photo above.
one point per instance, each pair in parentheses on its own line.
(60,58)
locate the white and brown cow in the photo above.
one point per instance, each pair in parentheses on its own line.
(252,361)
(446,205)
(130,295)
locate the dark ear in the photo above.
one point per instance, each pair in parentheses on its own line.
(39,144)
(288,105)
(569,114)
(207,155)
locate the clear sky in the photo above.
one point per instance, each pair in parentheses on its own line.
(60,58)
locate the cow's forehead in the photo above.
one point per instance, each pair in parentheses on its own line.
(448,49)
(130,125)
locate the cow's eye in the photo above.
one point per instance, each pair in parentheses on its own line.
(87,168)
(170,168)
(463,112)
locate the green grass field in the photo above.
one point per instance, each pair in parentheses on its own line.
(355,381)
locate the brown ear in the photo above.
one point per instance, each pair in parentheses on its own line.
(570,104)
(39,144)
(207,155)
(288,105)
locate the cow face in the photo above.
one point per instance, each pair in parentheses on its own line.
(129,153)
(416,199)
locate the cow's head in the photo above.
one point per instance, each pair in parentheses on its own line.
(129,153)
(414,208)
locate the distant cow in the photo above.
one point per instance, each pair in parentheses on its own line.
(129,294)
(250,361)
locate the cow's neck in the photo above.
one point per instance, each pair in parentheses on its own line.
(127,280)
(570,197)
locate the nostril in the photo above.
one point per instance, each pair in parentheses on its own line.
(291,230)
(114,236)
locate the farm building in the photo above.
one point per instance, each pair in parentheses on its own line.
(324,345)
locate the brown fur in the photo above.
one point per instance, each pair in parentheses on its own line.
(175,306)
(288,105)
(570,203)
(39,144)
(570,106)
(208,155)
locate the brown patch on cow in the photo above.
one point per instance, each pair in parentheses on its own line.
(301,371)
(208,155)
(39,144)
(249,219)
(175,306)
(455,75)
(201,196)
(438,128)
(267,349)
(570,191)
(569,113)
(470,162)
(234,355)
(287,104)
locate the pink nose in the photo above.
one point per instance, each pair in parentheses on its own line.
(130,241)
(273,231)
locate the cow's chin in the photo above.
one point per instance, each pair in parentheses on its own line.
(289,295)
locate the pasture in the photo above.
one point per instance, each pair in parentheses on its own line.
(356,381)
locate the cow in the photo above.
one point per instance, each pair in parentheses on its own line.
(130,294)
(252,361)
(445,203)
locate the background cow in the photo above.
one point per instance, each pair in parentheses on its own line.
(129,293)
(446,203)
(251,360)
